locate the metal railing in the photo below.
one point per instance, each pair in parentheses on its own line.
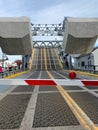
(88,68)
(8,73)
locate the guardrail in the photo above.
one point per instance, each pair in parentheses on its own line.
(8,73)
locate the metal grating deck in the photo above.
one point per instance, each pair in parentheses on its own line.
(48,88)
(34,75)
(12,109)
(44,75)
(71,87)
(23,88)
(52,110)
(88,103)
(92,87)
(56,75)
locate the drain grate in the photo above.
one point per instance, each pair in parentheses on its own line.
(72,88)
(48,88)
(52,110)
(12,109)
(24,88)
(88,103)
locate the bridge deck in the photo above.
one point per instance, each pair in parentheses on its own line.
(44,107)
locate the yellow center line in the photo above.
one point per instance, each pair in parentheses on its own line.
(45,58)
(78,112)
(58,58)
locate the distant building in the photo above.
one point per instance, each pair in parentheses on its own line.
(87,62)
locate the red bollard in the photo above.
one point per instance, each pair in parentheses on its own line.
(72,75)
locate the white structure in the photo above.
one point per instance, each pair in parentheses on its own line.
(15,35)
(80,35)
(88,62)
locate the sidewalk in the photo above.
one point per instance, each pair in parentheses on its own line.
(14,75)
(84,75)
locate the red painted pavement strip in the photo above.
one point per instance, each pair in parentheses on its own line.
(90,83)
(40,82)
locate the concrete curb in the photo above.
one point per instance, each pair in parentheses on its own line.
(17,74)
(85,73)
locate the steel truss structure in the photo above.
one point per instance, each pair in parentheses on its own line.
(47,30)
(47,44)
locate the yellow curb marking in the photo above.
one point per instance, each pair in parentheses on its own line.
(15,75)
(45,58)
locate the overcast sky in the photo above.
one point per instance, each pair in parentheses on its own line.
(49,11)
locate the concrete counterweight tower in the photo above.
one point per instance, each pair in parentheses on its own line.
(80,34)
(15,35)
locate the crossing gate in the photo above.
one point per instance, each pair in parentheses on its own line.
(50,82)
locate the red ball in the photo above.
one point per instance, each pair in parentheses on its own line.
(72,75)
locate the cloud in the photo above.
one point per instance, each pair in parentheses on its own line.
(16,7)
(49,11)
(56,13)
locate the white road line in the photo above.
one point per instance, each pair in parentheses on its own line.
(27,121)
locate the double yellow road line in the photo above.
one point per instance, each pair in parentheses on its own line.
(45,58)
(78,112)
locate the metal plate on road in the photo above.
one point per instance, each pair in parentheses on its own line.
(52,110)
(12,109)
(34,75)
(72,88)
(88,103)
(23,88)
(48,88)
(92,87)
